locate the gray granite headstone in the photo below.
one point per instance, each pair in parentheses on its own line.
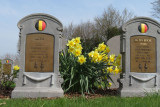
(114,44)
(7,66)
(140,49)
(40,41)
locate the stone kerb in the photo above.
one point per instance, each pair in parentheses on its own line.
(140,62)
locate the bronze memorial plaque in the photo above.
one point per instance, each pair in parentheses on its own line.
(6,68)
(143,54)
(39,53)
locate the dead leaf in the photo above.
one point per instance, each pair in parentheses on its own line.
(2,103)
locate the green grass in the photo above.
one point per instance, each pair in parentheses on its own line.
(149,101)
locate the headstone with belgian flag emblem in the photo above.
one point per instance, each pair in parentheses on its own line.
(140,49)
(7,66)
(40,43)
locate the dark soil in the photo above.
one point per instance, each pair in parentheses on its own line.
(5,93)
(98,93)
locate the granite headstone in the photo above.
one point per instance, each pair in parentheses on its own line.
(140,51)
(40,41)
(7,66)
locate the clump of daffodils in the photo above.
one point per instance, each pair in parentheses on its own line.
(100,54)
(16,68)
(75,48)
(91,69)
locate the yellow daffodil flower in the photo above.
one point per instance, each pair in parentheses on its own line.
(101,47)
(79,46)
(77,40)
(105,58)
(70,43)
(81,59)
(99,58)
(91,54)
(71,50)
(119,56)
(77,52)
(112,57)
(16,67)
(109,84)
(110,69)
(118,62)
(116,70)
(95,54)
(107,49)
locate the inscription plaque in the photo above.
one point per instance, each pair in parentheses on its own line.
(143,54)
(39,53)
(6,68)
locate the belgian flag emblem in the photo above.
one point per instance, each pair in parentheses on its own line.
(7,61)
(40,25)
(142,28)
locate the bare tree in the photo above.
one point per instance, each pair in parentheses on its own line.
(156,9)
(103,27)
(111,20)
(68,31)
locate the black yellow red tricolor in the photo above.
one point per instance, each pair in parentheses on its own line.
(142,28)
(40,25)
(7,61)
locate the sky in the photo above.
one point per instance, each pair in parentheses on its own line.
(67,11)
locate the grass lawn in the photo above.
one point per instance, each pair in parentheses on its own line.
(149,101)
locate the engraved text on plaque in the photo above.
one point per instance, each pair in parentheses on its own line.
(39,53)
(6,68)
(143,54)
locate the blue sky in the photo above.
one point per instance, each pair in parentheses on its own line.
(67,11)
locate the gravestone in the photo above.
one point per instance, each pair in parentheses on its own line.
(40,41)
(140,49)
(7,66)
(114,44)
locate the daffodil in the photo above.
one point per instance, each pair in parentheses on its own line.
(99,59)
(116,70)
(71,50)
(119,56)
(77,40)
(16,67)
(109,84)
(78,46)
(70,43)
(110,69)
(81,59)
(77,52)
(91,54)
(107,49)
(118,62)
(101,47)
(95,54)
(61,53)
(105,58)
(112,57)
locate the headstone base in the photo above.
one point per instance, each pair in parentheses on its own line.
(137,92)
(40,92)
